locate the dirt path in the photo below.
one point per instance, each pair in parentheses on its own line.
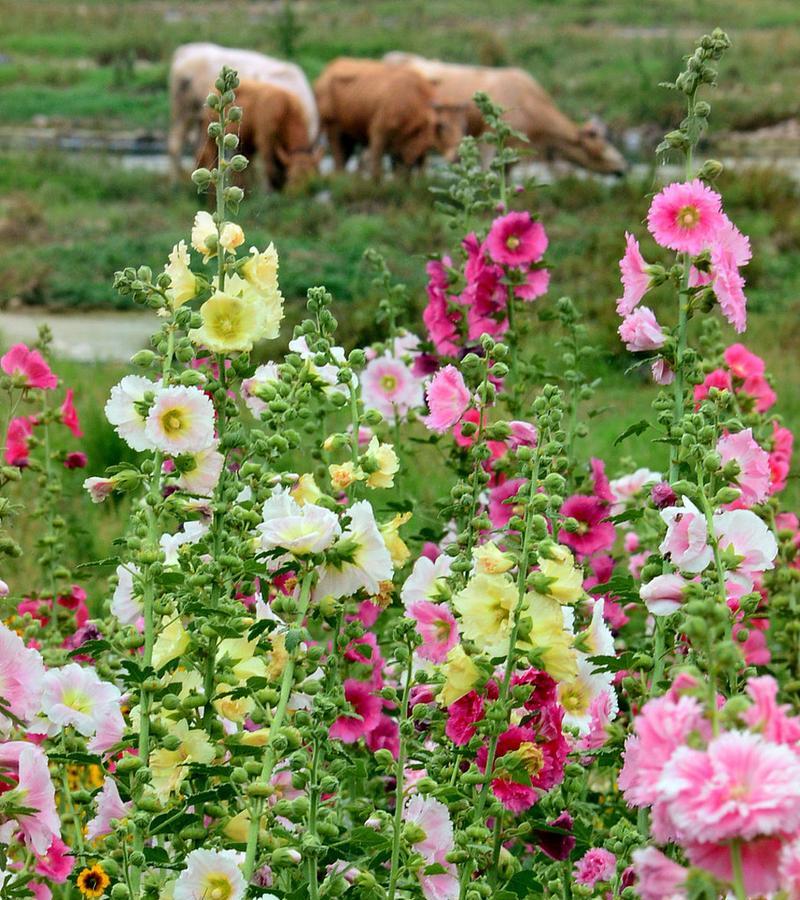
(89,336)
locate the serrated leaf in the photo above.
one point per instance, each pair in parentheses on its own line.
(90,648)
(629,515)
(110,562)
(632,430)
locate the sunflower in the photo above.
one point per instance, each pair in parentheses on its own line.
(93,882)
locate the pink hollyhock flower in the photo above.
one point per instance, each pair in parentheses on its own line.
(365,716)
(719,379)
(385,736)
(686,542)
(366,652)
(57,863)
(463,717)
(388,386)
(766,716)
(41,827)
(662,495)
(537,283)
(780,458)
(635,280)
(19,431)
(661,727)
(728,286)
(625,489)
(523,434)
(21,676)
(433,821)
(75,460)
(439,319)
(601,486)
(516,240)
(69,415)
(741,531)
(754,649)
(40,891)
(789,869)
(448,399)
(662,372)
(500,512)
(754,475)
(741,787)
(75,695)
(686,216)
(759,389)
(760,863)
(742,363)
(99,488)
(640,331)
(596,865)
(437,627)
(664,594)
(601,711)
(181,420)
(593,533)
(29,366)
(659,878)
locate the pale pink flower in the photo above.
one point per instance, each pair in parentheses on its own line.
(768,717)
(658,877)
(21,676)
(640,331)
(29,367)
(203,477)
(635,280)
(663,595)
(426,580)
(728,286)
(99,488)
(741,787)
(433,819)
(686,216)
(686,542)
(596,865)
(741,531)
(124,406)
(35,790)
(108,807)
(448,399)
(662,372)
(515,239)
(754,476)
(74,695)
(366,712)
(624,489)
(266,374)
(181,420)
(436,626)
(389,386)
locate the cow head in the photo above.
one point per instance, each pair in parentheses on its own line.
(300,165)
(591,150)
(450,126)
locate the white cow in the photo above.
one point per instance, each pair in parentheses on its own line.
(194,70)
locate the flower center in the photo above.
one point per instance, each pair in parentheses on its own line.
(218,888)
(78,701)
(389,383)
(532,758)
(574,698)
(688,216)
(172,422)
(512,242)
(442,629)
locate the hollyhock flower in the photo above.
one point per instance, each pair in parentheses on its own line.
(21,676)
(69,415)
(190,533)
(20,430)
(388,385)
(658,877)
(758,387)
(181,420)
(686,542)
(728,287)
(577,694)
(211,873)
(171,643)
(741,787)
(461,675)
(661,372)
(385,736)
(264,375)
(300,530)
(57,863)
(662,726)
(368,561)
(602,710)
(537,282)
(486,610)
(789,870)
(433,832)
(640,331)
(754,648)
(231,236)
(200,472)
(125,606)
(463,717)
(635,279)
(366,715)
(109,806)
(685,216)
(490,560)
(565,579)
(183,283)
(663,495)
(35,791)
(556,844)
(500,511)
(427,580)
(204,228)
(75,695)
(742,363)
(780,458)
(440,321)
(719,378)
(380,463)
(437,627)
(75,460)
(234,318)
(448,399)
(593,533)
(747,536)
(596,865)
(754,476)
(124,407)
(760,863)
(28,368)
(169,768)
(663,595)
(516,240)
(624,489)
(766,716)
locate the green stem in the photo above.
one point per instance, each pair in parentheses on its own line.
(738,872)
(399,773)
(314,793)
(270,760)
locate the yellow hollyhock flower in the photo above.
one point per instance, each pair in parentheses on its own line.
(168,767)
(394,543)
(461,675)
(236,709)
(183,283)
(231,324)
(550,638)
(567,579)
(171,643)
(231,236)
(490,559)
(486,606)
(344,474)
(305,490)
(261,270)
(381,464)
(204,228)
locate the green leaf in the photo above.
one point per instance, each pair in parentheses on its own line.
(524,884)
(109,562)
(90,648)
(636,429)
(629,515)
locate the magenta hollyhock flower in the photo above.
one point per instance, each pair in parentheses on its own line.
(559,844)
(69,415)
(741,787)
(658,877)
(365,651)
(537,283)
(19,361)
(500,512)
(593,533)
(754,476)
(640,331)
(596,865)
(719,378)
(686,216)
(601,487)
(463,717)
(635,280)
(448,399)
(759,388)
(18,435)
(439,319)
(663,495)
(365,715)
(728,287)
(780,457)
(57,863)
(686,542)
(437,627)
(385,736)
(75,460)
(515,239)
(663,595)
(760,863)
(742,362)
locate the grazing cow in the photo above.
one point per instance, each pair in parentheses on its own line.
(273,129)
(194,70)
(529,109)
(388,109)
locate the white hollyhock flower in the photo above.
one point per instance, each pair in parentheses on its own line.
(299,529)
(203,478)
(170,544)
(124,604)
(203,228)
(211,875)
(425,579)
(74,695)
(181,420)
(265,374)
(122,412)
(576,695)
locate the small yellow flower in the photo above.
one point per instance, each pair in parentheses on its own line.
(235,709)
(171,642)
(183,283)
(567,580)
(204,228)
(461,675)
(381,463)
(394,543)
(261,270)
(93,882)
(231,236)
(168,767)
(344,474)
(305,490)
(490,560)
(549,637)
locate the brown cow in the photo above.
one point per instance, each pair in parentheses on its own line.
(273,128)
(529,110)
(387,109)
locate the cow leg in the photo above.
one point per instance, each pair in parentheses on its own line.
(375,151)
(181,119)
(336,141)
